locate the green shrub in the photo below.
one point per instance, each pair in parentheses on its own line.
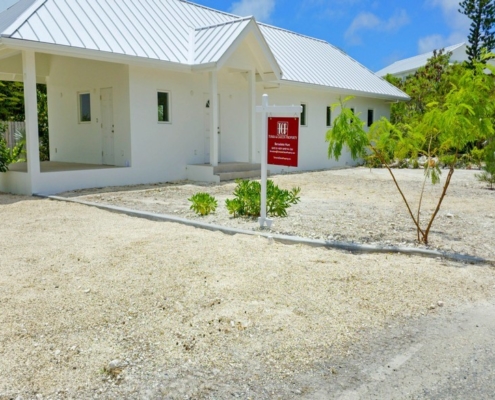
(486,177)
(4,156)
(247,200)
(372,161)
(8,156)
(477,156)
(488,174)
(203,203)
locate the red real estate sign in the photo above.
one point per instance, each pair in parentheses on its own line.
(283,141)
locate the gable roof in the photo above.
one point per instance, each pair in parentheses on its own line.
(214,44)
(410,65)
(184,33)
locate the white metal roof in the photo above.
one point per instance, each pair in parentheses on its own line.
(410,65)
(210,43)
(181,32)
(312,61)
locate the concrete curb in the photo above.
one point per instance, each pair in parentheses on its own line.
(345,246)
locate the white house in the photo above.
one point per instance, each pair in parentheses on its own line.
(161,90)
(409,66)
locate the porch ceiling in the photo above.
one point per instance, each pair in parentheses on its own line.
(11,65)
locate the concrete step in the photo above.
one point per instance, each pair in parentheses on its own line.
(235,167)
(230,176)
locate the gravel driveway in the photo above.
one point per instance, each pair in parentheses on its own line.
(353,205)
(101,305)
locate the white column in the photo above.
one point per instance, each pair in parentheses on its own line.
(214,123)
(252,116)
(31,113)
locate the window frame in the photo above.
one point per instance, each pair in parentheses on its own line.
(79,107)
(328,116)
(169,104)
(372,117)
(304,114)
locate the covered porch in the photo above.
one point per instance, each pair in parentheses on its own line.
(85,150)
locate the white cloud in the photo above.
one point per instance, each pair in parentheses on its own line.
(369,21)
(453,17)
(260,9)
(457,22)
(437,42)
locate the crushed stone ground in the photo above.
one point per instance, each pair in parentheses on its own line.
(193,314)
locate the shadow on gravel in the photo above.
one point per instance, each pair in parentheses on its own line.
(6,199)
(137,188)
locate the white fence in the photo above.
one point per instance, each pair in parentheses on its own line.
(12,128)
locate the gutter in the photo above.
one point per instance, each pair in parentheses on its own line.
(285,239)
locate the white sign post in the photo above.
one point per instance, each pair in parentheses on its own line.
(265,109)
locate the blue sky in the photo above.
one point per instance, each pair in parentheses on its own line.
(374,32)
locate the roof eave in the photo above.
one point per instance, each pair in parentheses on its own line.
(96,55)
(389,97)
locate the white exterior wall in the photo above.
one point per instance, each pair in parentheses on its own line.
(158,152)
(313,150)
(234,118)
(162,151)
(71,140)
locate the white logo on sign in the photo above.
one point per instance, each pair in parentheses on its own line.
(283,128)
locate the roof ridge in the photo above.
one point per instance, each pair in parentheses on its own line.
(292,32)
(422,55)
(209,8)
(223,23)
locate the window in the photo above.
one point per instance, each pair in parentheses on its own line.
(303,115)
(329,116)
(84,107)
(371,117)
(163,106)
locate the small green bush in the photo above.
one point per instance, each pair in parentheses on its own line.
(247,200)
(477,156)
(488,174)
(486,177)
(372,161)
(203,203)
(4,156)
(8,156)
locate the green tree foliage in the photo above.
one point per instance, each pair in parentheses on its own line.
(43,131)
(430,83)
(464,115)
(11,101)
(12,109)
(481,33)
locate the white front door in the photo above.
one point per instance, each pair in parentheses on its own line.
(107,126)
(207,124)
